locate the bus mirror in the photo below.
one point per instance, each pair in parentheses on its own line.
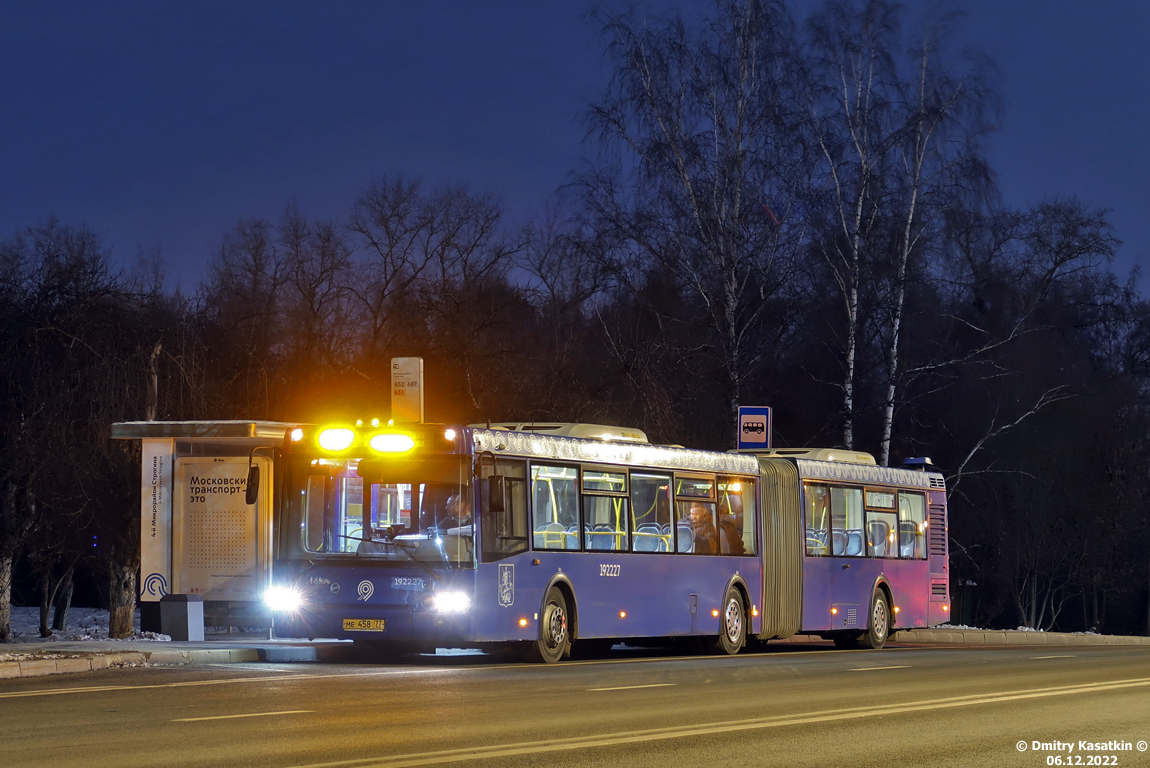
(496,494)
(253,489)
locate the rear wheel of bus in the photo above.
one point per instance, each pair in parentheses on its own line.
(732,625)
(876,634)
(554,635)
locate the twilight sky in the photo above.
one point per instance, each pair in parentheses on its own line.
(160,124)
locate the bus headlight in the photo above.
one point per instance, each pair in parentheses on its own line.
(283,599)
(450,602)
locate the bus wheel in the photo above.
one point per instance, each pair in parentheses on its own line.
(732,626)
(554,638)
(876,634)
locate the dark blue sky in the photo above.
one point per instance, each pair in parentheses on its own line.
(162,124)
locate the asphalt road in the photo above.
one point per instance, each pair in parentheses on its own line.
(797,706)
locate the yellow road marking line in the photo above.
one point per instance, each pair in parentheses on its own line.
(872,669)
(1071,656)
(632,687)
(250,714)
(707,729)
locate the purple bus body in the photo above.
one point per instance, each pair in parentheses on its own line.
(617,594)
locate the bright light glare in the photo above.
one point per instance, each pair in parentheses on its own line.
(336,439)
(283,599)
(391,443)
(523,622)
(450,602)
(375,422)
(296,435)
(735,487)
(449,434)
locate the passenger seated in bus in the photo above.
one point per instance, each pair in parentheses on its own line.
(703,524)
(731,525)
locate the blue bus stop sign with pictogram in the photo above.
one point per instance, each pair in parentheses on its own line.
(754,427)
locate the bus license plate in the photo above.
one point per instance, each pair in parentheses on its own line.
(363,625)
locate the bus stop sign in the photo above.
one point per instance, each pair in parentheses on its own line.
(754,427)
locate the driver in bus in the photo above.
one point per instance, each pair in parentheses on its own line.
(457,521)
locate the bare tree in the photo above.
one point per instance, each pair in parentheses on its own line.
(702,125)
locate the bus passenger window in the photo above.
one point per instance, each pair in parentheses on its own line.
(818,517)
(912,526)
(881,524)
(736,516)
(650,512)
(555,507)
(605,523)
(847,538)
(695,527)
(505,533)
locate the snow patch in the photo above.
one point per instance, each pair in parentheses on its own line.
(83,624)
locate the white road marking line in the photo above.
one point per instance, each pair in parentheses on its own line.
(708,729)
(874,669)
(228,681)
(1071,656)
(251,714)
(633,687)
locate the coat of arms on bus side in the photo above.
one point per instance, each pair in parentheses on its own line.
(506,585)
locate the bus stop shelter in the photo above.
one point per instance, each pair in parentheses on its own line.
(198,536)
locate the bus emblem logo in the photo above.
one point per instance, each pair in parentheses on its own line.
(366,588)
(506,585)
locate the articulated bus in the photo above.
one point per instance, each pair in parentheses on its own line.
(562,536)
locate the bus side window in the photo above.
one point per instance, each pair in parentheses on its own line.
(555,507)
(818,514)
(736,516)
(911,526)
(651,513)
(847,539)
(504,533)
(696,530)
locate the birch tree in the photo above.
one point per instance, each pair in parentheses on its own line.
(701,167)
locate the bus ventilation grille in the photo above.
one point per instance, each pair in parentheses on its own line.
(852,617)
(937,532)
(938,589)
(937,482)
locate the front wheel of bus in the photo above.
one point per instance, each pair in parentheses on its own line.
(876,634)
(732,625)
(554,637)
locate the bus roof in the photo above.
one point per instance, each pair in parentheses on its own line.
(864,474)
(576,449)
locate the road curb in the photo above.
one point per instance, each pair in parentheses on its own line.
(1009,637)
(94,661)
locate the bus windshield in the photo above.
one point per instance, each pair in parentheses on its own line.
(395,510)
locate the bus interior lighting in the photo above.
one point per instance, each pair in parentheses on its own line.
(450,602)
(339,439)
(283,599)
(388,442)
(296,435)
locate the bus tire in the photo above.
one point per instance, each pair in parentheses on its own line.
(732,626)
(879,624)
(554,631)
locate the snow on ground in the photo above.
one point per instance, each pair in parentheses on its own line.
(83,624)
